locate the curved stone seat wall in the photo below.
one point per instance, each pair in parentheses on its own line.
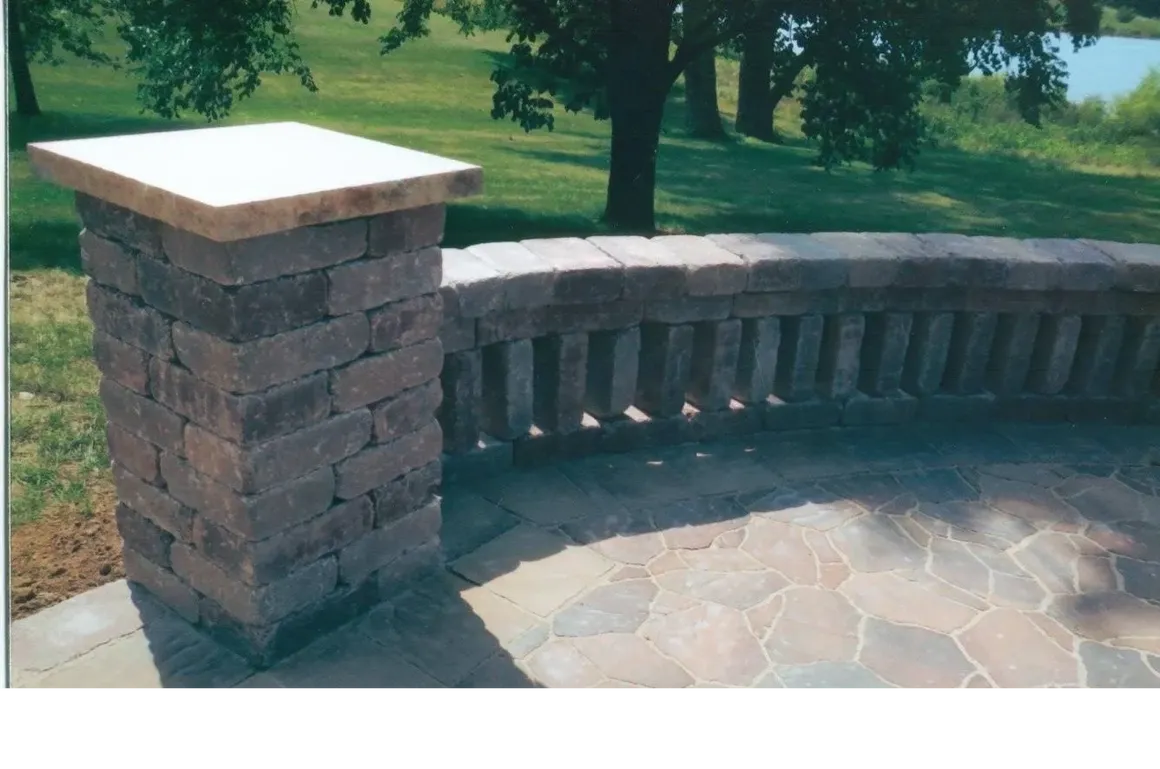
(565,347)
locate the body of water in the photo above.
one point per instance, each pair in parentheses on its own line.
(1112,67)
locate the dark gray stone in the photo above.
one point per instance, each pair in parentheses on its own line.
(841,353)
(1101,339)
(508,370)
(829,675)
(926,358)
(757,359)
(1054,354)
(937,485)
(797,365)
(713,372)
(887,409)
(470,521)
(665,363)
(560,375)
(970,352)
(1084,268)
(406,494)
(691,309)
(884,352)
(377,465)
(459,413)
(956,408)
(613,366)
(1140,357)
(126,319)
(373,282)
(406,323)
(406,412)
(1010,362)
(800,415)
(1109,667)
(791,262)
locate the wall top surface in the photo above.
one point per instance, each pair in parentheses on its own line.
(242,181)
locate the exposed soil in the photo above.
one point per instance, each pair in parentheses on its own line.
(64,553)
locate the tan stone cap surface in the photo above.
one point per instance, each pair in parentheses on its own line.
(243,181)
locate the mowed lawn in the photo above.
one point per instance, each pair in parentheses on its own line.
(434,95)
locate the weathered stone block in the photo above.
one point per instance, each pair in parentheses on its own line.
(242,419)
(757,359)
(884,352)
(126,365)
(926,358)
(557,319)
(378,377)
(142,417)
(778,414)
(1139,359)
(797,365)
(1101,339)
(840,355)
(268,560)
(508,370)
(261,605)
(252,260)
(470,287)
(405,323)
(108,263)
(462,391)
(539,448)
(490,456)
(143,536)
(406,412)
(1010,362)
(560,373)
(881,409)
(123,318)
(407,493)
(1137,264)
(784,303)
(584,273)
(970,351)
(375,281)
(922,264)
(528,280)
(457,334)
(1105,409)
(713,369)
(1083,267)
(956,408)
(254,517)
(1031,408)
(689,309)
(161,582)
(153,503)
(257,468)
(613,367)
(666,354)
(140,457)
(381,546)
(1054,353)
(736,420)
(637,430)
(237,314)
(651,272)
(113,222)
(710,270)
(792,262)
(249,367)
(378,465)
(869,262)
(407,230)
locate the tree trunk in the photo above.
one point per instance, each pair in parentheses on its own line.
(638,84)
(702,116)
(754,97)
(26,103)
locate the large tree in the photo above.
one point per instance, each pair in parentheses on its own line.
(702,113)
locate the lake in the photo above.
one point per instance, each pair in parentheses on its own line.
(1110,68)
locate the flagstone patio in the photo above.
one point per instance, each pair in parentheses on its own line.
(1008,556)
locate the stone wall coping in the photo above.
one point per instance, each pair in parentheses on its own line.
(229,183)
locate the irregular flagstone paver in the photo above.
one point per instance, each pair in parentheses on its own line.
(937,485)
(871,490)
(889,597)
(627,536)
(1062,637)
(1118,618)
(809,507)
(629,572)
(667,561)
(1051,558)
(1033,504)
(830,675)
(815,625)
(1094,574)
(1108,500)
(953,562)
(1107,666)
(1145,480)
(693,524)
(739,590)
(545,496)
(876,543)
(1017,653)
(560,664)
(712,642)
(630,659)
(498,672)
(667,603)
(977,681)
(1044,476)
(617,608)
(721,559)
(1016,592)
(734,538)
(982,519)
(762,616)
(912,656)
(1141,578)
(783,547)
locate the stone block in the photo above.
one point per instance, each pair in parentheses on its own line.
(1028,407)
(375,281)
(880,409)
(869,262)
(557,319)
(1054,354)
(1028,268)
(528,280)
(1101,339)
(651,272)
(1139,358)
(126,365)
(488,457)
(613,367)
(261,605)
(780,415)
(539,447)
(124,318)
(266,257)
(665,364)
(249,367)
(1082,266)
(584,273)
(253,516)
(375,378)
(462,395)
(710,270)
(785,303)
(560,373)
(405,323)
(237,314)
(941,407)
(243,419)
(1010,362)
(972,338)
(797,365)
(143,536)
(108,263)
(508,371)
(757,359)
(926,358)
(113,222)
(786,262)
(840,355)
(378,465)
(407,493)
(637,430)
(713,369)
(470,287)
(162,583)
(689,309)
(406,412)
(971,261)
(921,263)
(153,503)
(884,348)
(1137,265)
(381,546)
(140,457)
(457,334)
(142,417)
(408,230)
(268,560)
(736,420)
(250,470)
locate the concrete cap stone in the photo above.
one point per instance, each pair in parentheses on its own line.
(243,181)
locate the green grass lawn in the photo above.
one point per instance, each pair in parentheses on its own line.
(434,95)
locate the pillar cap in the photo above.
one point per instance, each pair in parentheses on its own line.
(243,181)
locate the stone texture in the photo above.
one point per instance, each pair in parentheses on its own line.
(815,626)
(912,657)
(926,357)
(368,283)
(613,367)
(1054,353)
(406,412)
(840,355)
(791,262)
(800,350)
(712,642)
(459,412)
(406,230)
(1109,667)
(139,457)
(1010,363)
(757,359)
(665,363)
(406,322)
(709,269)
(376,378)
(884,348)
(528,280)
(1016,653)
(584,273)
(126,365)
(713,369)
(650,270)
(378,465)
(630,659)
(829,675)
(560,363)
(620,607)
(126,319)
(508,371)
(970,350)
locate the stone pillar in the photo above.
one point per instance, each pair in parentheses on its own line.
(613,365)
(1101,338)
(266,312)
(716,348)
(1054,354)
(841,355)
(797,366)
(508,368)
(666,354)
(1010,363)
(561,362)
(757,361)
(926,358)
